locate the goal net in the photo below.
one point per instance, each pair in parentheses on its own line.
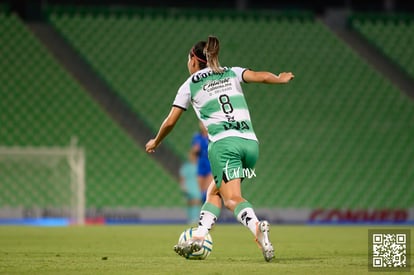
(42,183)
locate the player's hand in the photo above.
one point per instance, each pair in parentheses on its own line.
(286,77)
(150,146)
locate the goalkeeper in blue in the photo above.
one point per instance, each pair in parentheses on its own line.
(217,98)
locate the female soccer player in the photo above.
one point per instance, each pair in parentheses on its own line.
(191,188)
(199,147)
(218,101)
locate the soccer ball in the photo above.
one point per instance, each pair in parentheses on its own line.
(203,253)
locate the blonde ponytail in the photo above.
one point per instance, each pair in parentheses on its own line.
(211,51)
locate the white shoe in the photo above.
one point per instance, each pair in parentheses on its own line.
(262,239)
(189,247)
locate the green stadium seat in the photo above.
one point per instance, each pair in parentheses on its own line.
(41,105)
(331,138)
(392,34)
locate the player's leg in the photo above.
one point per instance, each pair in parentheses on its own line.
(243,158)
(210,211)
(245,214)
(232,198)
(193,201)
(208,217)
(193,210)
(226,159)
(204,179)
(237,158)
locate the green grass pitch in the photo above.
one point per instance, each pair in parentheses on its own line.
(145,249)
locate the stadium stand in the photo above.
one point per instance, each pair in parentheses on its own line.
(339,136)
(392,34)
(41,105)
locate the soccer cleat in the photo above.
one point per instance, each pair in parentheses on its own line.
(187,248)
(262,239)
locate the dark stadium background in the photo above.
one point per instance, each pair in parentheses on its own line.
(369,178)
(31,8)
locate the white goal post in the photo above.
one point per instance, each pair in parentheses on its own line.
(42,183)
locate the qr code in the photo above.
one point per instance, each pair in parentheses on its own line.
(389,249)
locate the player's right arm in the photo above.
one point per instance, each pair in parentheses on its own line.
(165,128)
(267,77)
(181,102)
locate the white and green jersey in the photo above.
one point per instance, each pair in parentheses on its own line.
(219,102)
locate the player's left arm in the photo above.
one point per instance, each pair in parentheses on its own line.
(165,128)
(267,77)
